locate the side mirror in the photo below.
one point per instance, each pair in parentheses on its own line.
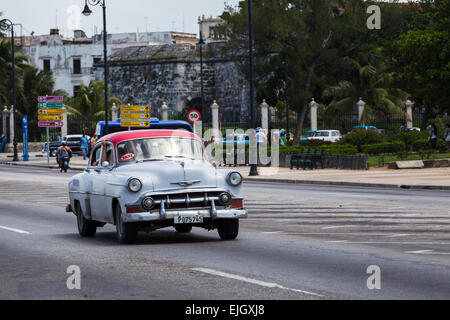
(105,164)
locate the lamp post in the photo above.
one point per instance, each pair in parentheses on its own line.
(87,12)
(13,80)
(253,167)
(201,43)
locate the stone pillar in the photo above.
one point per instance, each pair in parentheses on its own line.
(165,112)
(314,105)
(265,116)
(5,115)
(409,117)
(215,116)
(361,105)
(11,125)
(114,112)
(64,127)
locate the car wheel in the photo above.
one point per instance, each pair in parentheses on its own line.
(183,228)
(228,229)
(86,228)
(126,232)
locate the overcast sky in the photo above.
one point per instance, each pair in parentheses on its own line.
(122,16)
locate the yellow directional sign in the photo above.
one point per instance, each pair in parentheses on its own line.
(135,116)
(135,124)
(50,111)
(50,118)
(135,108)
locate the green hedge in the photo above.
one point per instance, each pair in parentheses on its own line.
(385,147)
(408,138)
(424,144)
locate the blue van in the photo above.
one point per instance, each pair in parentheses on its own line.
(155,123)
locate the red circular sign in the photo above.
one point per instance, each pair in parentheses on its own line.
(194,116)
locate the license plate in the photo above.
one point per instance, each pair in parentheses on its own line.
(188,220)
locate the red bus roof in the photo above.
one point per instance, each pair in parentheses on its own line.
(115,138)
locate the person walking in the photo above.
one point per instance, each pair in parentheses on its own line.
(3,140)
(447,136)
(433,136)
(84,146)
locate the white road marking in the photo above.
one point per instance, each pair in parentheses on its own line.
(15,230)
(399,235)
(337,227)
(252,281)
(273,232)
(428,252)
(338,241)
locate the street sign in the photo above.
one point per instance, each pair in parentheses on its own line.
(135,124)
(135,109)
(50,99)
(194,116)
(25,137)
(50,105)
(50,111)
(135,116)
(50,118)
(50,124)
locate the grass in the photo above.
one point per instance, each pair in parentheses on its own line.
(376,160)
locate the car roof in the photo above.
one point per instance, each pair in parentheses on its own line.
(115,138)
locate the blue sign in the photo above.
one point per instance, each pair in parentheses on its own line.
(25,137)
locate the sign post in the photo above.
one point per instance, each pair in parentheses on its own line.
(25,137)
(135,116)
(50,115)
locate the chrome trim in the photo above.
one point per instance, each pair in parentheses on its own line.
(213,210)
(221,214)
(162,211)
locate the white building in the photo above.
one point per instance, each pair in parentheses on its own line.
(71,60)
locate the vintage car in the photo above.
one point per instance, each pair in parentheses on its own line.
(151,179)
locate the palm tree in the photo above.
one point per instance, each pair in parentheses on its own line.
(88,104)
(371,83)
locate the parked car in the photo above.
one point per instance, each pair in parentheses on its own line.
(364,127)
(326,135)
(155,179)
(308,135)
(72,141)
(54,145)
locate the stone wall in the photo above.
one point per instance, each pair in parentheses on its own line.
(171,73)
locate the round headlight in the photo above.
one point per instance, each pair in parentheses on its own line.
(148,203)
(234,179)
(134,185)
(225,198)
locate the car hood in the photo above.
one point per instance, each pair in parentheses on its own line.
(172,174)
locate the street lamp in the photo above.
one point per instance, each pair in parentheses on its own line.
(87,12)
(253,167)
(13,80)
(201,43)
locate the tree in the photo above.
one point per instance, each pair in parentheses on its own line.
(371,82)
(423,57)
(306,37)
(89,103)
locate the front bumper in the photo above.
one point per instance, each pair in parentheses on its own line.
(169,215)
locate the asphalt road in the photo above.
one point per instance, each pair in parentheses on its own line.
(299,242)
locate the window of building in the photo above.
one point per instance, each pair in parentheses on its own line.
(212,32)
(97,60)
(76,90)
(47,65)
(76,65)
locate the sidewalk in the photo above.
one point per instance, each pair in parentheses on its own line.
(434,178)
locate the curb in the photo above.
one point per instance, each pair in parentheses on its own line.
(352,184)
(313,182)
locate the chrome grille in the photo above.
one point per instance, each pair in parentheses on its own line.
(185,200)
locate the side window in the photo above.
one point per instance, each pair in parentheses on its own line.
(110,154)
(96,156)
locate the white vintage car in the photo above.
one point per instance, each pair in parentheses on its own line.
(150,179)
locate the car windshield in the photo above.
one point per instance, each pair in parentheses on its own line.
(311,134)
(161,148)
(322,134)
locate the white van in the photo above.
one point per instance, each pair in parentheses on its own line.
(326,135)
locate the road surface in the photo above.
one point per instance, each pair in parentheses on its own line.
(299,242)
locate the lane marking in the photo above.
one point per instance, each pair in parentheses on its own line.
(392,242)
(252,281)
(428,252)
(338,241)
(273,232)
(337,227)
(15,230)
(399,235)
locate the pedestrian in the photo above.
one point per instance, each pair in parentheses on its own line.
(260,138)
(3,140)
(84,146)
(58,138)
(433,136)
(447,136)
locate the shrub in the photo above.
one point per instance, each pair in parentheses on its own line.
(314,143)
(408,138)
(385,147)
(362,137)
(424,144)
(340,149)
